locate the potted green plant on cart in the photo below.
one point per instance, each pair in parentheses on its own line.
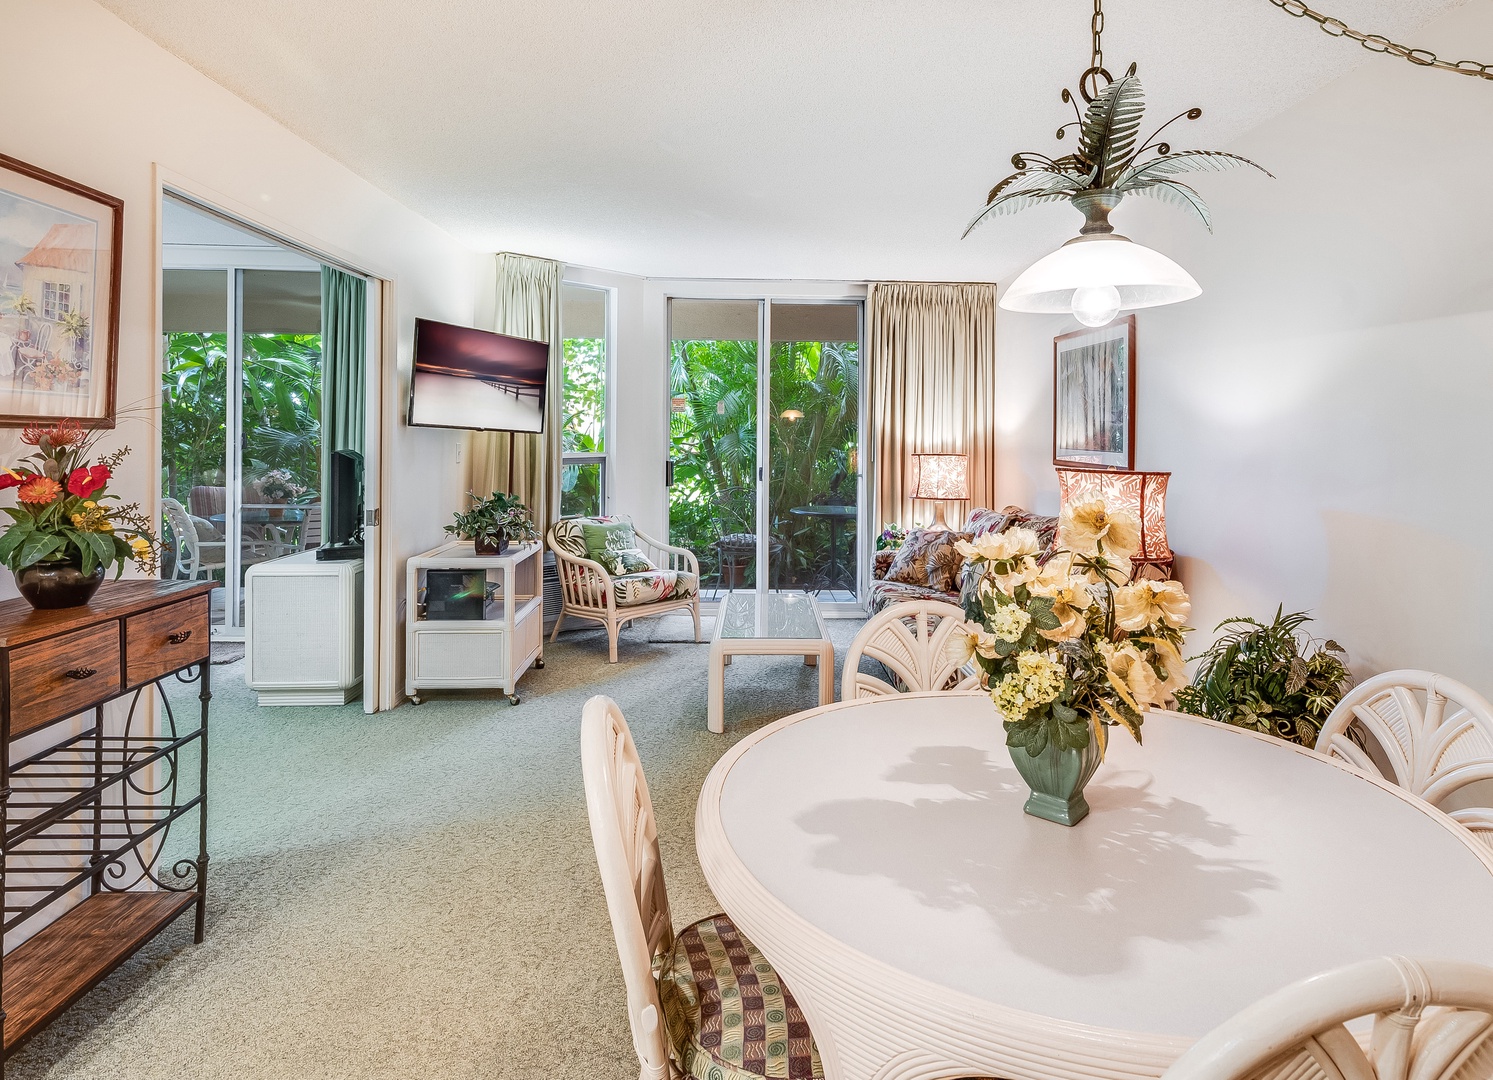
(493,522)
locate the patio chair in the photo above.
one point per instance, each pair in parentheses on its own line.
(909,641)
(199,548)
(590,592)
(685,1022)
(1430,1021)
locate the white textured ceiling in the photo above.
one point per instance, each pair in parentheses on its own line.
(739,138)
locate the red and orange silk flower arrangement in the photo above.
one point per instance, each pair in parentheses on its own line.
(63,512)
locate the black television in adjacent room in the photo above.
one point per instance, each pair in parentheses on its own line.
(475,379)
(342,524)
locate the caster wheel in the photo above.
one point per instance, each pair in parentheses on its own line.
(513,699)
(539,663)
(415,700)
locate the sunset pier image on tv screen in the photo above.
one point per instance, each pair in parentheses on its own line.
(467,378)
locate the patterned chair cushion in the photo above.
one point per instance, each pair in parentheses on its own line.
(651,586)
(614,545)
(570,534)
(728,1015)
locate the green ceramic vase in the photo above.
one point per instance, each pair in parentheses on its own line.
(1057,778)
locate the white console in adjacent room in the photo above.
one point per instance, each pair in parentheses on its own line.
(303,622)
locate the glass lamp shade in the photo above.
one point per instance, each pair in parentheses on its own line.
(1140,493)
(942,476)
(1078,278)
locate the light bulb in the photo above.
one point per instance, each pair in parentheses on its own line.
(1095,305)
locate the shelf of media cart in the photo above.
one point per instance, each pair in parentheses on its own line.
(502,638)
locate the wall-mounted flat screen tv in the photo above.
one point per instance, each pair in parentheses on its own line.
(476,379)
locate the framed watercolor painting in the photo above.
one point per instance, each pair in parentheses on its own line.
(59,297)
(1093,396)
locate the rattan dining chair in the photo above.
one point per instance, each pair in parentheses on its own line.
(687,993)
(910,640)
(1431,1021)
(1436,733)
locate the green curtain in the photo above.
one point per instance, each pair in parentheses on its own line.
(344,341)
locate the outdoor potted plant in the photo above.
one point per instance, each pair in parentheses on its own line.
(74,326)
(66,530)
(492,522)
(1269,678)
(1069,647)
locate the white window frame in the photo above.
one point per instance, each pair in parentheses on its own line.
(604,459)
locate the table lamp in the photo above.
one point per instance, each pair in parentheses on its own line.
(941,477)
(1140,493)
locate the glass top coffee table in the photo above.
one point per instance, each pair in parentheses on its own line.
(767,624)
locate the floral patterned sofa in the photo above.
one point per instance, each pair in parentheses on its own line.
(926,556)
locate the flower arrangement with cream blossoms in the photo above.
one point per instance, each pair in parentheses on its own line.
(1072,645)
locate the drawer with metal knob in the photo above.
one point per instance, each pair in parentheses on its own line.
(165,639)
(62,675)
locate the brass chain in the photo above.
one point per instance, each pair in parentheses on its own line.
(1379,43)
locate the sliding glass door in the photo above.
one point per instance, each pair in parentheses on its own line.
(765,443)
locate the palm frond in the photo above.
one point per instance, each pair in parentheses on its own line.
(1184,161)
(1054,187)
(1178,194)
(1110,128)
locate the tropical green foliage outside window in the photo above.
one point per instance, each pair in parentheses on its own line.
(713,443)
(281,398)
(585,409)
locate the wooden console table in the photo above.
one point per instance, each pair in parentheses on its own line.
(85,813)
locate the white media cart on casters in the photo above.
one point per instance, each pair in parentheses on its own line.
(491,652)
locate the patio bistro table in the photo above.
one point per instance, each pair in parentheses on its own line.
(835,515)
(876,852)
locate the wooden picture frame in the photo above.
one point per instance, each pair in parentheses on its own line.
(61,245)
(1093,396)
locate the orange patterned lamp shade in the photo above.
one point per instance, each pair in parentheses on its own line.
(1141,493)
(942,476)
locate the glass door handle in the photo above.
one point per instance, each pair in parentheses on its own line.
(669,473)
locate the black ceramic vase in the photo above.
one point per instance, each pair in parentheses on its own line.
(58,584)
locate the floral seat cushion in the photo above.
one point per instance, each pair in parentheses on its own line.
(728,1015)
(651,586)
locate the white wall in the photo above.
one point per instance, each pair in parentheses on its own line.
(1325,406)
(125,106)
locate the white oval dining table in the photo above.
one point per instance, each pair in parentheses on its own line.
(877,853)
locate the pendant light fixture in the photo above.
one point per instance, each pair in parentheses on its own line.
(1100,273)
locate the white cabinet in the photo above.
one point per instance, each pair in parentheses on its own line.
(303,630)
(491,652)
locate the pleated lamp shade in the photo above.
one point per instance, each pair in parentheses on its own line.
(1140,493)
(941,477)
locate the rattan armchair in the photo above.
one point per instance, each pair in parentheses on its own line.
(590,592)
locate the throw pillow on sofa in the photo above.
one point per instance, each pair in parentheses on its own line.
(615,546)
(928,558)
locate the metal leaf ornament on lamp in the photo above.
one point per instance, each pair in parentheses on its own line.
(1099,273)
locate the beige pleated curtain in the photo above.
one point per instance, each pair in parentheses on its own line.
(527,305)
(931,369)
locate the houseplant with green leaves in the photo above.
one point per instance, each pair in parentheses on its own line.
(491,523)
(1069,646)
(1269,677)
(66,529)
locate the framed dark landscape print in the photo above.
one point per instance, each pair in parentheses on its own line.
(1093,396)
(59,297)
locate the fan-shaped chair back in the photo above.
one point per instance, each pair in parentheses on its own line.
(1431,1022)
(1436,733)
(910,639)
(626,840)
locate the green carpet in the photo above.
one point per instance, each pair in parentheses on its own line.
(414,894)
